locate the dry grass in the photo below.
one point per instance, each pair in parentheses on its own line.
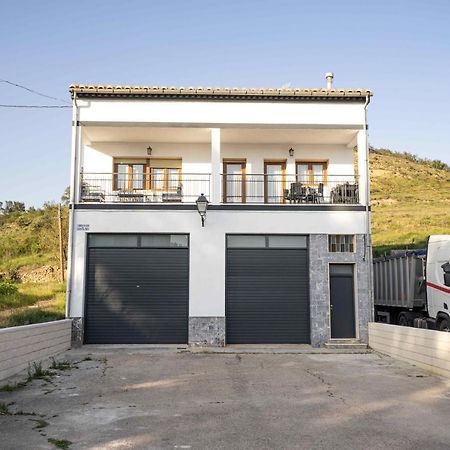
(410,201)
(19,308)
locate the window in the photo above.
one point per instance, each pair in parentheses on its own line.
(341,243)
(156,174)
(164,240)
(311,172)
(129,175)
(266,241)
(165,179)
(139,240)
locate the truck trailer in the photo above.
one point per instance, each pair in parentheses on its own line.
(412,287)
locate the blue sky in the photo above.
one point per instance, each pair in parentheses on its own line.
(399,49)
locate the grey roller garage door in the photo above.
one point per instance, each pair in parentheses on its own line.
(137,289)
(267,290)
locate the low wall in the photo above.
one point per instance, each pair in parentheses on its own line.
(20,346)
(427,349)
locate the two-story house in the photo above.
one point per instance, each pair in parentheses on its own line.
(281,252)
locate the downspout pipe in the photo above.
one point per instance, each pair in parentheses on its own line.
(73,196)
(368,249)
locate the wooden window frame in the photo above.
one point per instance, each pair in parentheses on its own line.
(130,164)
(243,163)
(147,173)
(283,164)
(310,175)
(165,187)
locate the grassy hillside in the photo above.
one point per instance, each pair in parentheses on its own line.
(30,238)
(410,200)
(29,288)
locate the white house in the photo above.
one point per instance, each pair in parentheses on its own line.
(284,255)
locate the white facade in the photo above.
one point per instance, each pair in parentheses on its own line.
(207,262)
(202,134)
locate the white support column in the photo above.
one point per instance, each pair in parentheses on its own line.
(363,168)
(74,199)
(215,166)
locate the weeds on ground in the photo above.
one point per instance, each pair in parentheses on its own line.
(13,387)
(24,413)
(4,410)
(36,372)
(61,365)
(60,443)
(40,423)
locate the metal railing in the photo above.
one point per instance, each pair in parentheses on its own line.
(140,188)
(289,189)
(248,188)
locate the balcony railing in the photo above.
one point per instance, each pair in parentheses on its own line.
(139,188)
(289,189)
(236,188)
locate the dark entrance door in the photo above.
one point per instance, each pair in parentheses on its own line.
(137,289)
(342,301)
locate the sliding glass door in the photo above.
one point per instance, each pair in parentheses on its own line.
(234,181)
(274,181)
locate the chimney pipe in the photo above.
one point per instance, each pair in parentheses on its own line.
(329,77)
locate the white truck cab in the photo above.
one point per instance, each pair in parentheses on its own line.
(438,280)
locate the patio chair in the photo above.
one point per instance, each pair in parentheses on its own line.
(91,193)
(297,193)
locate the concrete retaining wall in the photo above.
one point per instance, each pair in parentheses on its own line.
(20,346)
(427,349)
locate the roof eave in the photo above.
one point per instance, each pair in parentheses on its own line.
(101,91)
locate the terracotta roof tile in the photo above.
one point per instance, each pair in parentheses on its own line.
(83,90)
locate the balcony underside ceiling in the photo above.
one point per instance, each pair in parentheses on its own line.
(286,136)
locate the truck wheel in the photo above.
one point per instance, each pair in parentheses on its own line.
(444,325)
(403,320)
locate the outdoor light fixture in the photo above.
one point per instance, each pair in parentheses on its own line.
(202,206)
(291,152)
(149,151)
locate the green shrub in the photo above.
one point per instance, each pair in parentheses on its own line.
(7,287)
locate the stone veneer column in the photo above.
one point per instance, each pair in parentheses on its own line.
(207,331)
(319,299)
(77,331)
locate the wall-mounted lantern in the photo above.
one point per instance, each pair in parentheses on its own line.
(202,206)
(149,151)
(291,152)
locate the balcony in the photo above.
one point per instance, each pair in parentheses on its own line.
(162,187)
(289,189)
(167,187)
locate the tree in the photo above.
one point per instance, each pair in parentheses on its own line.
(11,207)
(65,198)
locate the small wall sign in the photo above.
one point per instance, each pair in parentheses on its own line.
(83,227)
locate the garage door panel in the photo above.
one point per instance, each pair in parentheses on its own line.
(267,296)
(137,295)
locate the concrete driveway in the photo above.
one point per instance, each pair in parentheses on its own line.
(150,399)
